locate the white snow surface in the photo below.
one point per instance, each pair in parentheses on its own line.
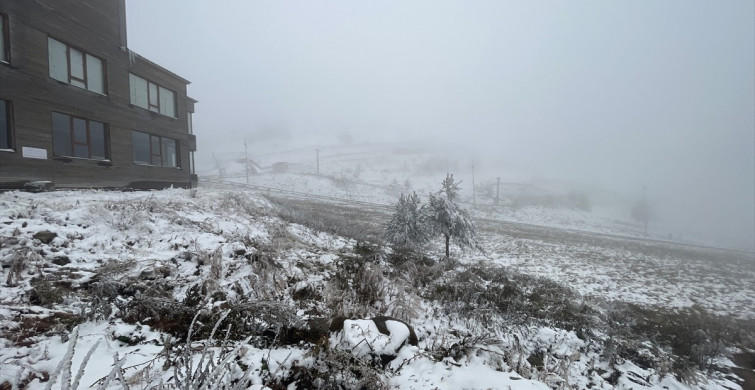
(363,338)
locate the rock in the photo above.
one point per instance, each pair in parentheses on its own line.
(148,274)
(380,337)
(8,241)
(380,322)
(45,236)
(336,325)
(61,260)
(239,250)
(318,328)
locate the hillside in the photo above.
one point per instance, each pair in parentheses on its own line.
(379,172)
(175,288)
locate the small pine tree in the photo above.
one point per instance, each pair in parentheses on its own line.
(446,217)
(407,227)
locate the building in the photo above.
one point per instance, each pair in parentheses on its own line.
(78,109)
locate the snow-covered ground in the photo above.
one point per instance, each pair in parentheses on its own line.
(380,172)
(122,266)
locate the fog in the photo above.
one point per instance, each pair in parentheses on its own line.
(622,95)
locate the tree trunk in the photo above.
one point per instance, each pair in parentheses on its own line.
(448,238)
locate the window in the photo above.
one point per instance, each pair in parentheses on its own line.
(73,66)
(6,125)
(150,96)
(4,39)
(78,137)
(153,150)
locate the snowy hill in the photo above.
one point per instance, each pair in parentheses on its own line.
(256,285)
(380,172)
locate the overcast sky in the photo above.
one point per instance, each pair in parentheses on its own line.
(660,93)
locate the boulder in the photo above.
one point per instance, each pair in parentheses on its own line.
(381,337)
(148,274)
(61,260)
(45,236)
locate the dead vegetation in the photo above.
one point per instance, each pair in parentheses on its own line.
(257,292)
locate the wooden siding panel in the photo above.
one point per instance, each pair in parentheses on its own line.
(94,26)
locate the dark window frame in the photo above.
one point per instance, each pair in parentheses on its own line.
(9,125)
(158,154)
(6,38)
(88,144)
(85,80)
(71,77)
(155,106)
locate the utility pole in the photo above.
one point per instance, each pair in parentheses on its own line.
(474,198)
(318,161)
(647,208)
(246,161)
(498,192)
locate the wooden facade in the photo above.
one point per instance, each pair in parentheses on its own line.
(96,28)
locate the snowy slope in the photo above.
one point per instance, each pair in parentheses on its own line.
(380,172)
(130,270)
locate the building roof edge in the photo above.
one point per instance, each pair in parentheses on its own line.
(134,55)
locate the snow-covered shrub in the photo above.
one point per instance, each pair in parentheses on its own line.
(127,215)
(163,314)
(332,368)
(407,228)
(29,329)
(280,239)
(47,291)
(267,279)
(690,338)
(445,217)
(416,268)
(460,294)
(17,262)
(359,286)
(356,290)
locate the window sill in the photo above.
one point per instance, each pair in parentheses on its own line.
(8,150)
(132,105)
(69,159)
(155,166)
(77,87)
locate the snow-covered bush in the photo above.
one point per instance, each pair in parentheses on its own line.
(445,217)
(358,287)
(407,228)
